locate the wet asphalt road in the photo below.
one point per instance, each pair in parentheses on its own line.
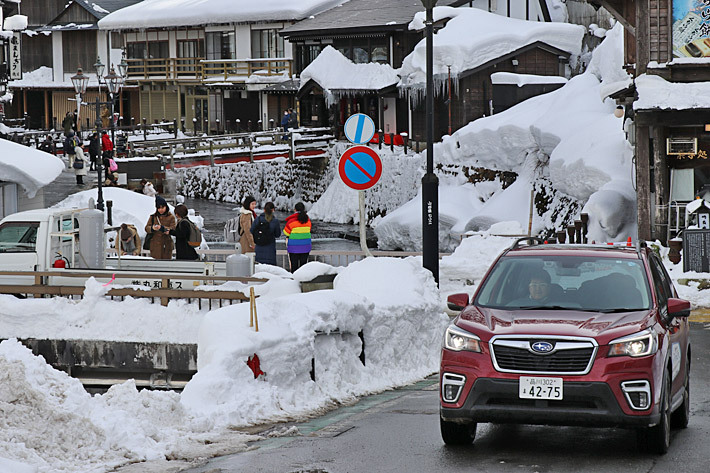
(398,431)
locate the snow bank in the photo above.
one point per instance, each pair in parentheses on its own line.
(51,423)
(657,93)
(402,331)
(28,167)
(166,13)
(568,136)
(473,37)
(338,76)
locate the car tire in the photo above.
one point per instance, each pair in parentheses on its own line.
(454,433)
(680,418)
(657,439)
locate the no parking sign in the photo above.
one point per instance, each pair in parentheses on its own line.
(360,167)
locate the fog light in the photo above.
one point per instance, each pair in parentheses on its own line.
(451,387)
(638,394)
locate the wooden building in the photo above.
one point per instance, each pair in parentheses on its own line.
(671,140)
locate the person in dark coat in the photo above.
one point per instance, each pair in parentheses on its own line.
(159,224)
(47,145)
(94,149)
(181,232)
(292,118)
(68,123)
(266,254)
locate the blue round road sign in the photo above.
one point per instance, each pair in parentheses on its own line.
(360,167)
(359,129)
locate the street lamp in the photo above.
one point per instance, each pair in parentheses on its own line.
(79,81)
(430,181)
(123,65)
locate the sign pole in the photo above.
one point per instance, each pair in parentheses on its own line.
(363,239)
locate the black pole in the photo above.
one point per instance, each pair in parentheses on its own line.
(430,181)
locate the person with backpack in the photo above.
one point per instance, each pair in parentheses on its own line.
(246,218)
(265,230)
(94,149)
(183,231)
(158,231)
(298,237)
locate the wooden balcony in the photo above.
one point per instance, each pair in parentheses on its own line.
(207,71)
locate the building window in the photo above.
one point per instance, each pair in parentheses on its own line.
(266,44)
(158,50)
(364,50)
(135,50)
(305,54)
(221,45)
(192,48)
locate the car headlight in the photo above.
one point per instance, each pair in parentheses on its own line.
(457,339)
(638,344)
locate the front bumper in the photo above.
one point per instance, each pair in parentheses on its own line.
(584,403)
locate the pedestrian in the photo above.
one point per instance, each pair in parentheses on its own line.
(158,230)
(68,123)
(77,160)
(292,118)
(94,150)
(148,188)
(47,145)
(130,241)
(265,230)
(246,218)
(284,123)
(298,236)
(110,168)
(106,145)
(181,232)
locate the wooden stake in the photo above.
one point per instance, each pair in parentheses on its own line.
(251,306)
(252,299)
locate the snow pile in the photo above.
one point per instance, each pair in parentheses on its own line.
(15,23)
(657,93)
(166,13)
(28,167)
(568,137)
(338,76)
(50,422)
(401,328)
(472,37)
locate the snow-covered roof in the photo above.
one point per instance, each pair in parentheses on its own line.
(656,93)
(42,77)
(28,167)
(339,76)
(473,37)
(358,14)
(170,13)
(510,78)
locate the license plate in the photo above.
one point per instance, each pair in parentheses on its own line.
(540,388)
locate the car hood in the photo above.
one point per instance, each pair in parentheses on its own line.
(486,322)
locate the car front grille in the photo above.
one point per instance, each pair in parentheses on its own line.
(568,357)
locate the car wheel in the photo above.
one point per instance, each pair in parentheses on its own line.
(657,439)
(454,433)
(681,416)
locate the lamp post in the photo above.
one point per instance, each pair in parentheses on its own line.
(79,81)
(113,82)
(430,181)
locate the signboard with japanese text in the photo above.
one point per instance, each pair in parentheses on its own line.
(15,58)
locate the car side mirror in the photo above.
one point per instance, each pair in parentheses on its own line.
(678,307)
(457,302)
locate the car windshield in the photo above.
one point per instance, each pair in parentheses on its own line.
(18,237)
(600,284)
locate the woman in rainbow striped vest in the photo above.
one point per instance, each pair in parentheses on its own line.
(298,237)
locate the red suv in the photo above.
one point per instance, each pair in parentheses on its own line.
(569,335)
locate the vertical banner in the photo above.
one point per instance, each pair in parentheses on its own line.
(691,28)
(15,59)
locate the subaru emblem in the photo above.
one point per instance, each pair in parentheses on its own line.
(542,347)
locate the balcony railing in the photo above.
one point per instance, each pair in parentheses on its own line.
(228,70)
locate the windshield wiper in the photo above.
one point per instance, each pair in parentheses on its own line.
(621,309)
(545,307)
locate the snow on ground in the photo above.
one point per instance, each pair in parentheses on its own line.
(50,424)
(28,167)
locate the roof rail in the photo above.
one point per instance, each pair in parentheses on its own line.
(530,240)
